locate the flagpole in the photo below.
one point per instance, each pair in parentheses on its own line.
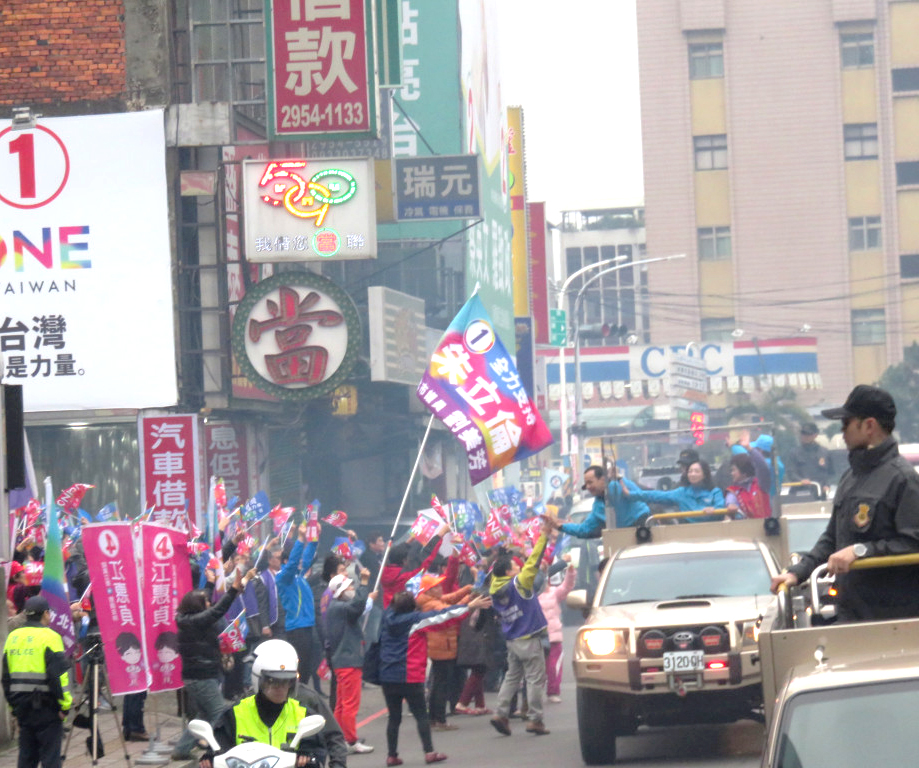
(408,488)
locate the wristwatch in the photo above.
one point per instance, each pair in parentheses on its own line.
(860,550)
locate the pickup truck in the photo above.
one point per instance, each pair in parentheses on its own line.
(838,694)
(671,632)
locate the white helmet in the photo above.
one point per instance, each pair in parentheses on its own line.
(275,659)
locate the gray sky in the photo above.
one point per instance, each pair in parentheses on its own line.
(573,67)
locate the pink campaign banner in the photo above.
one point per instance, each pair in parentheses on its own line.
(112,563)
(166,578)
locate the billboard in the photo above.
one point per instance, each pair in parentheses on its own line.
(86,319)
(309,210)
(444,187)
(321,69)
(397,336)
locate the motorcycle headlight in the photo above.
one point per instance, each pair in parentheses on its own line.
(604,642)
(750,633)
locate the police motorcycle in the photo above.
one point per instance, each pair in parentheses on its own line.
(252,754)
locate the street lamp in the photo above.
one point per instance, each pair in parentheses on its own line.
(578,394)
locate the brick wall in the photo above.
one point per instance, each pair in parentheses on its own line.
(61,51)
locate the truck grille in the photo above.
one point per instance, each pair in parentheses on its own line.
(711,638)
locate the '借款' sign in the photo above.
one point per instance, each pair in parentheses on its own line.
(309,210)
(321,72)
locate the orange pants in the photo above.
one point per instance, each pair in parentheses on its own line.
(348,700)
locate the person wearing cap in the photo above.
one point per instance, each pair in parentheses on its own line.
(36,684)
(875,513)
(345,640)
(437,593)
(765,445)
(810,462)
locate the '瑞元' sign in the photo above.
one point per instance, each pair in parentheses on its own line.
(442,187)
(296,335)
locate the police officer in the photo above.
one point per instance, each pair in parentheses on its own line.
(37,686)
(875,512)
(272,715)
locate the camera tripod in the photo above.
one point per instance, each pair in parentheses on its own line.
(95,683)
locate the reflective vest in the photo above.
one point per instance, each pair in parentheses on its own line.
(25,653)
(249,726)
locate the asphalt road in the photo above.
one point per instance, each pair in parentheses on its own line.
(477,744)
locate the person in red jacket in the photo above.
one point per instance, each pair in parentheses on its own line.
(403,662)
(405,560)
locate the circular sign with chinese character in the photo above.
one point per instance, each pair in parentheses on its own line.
(296,335)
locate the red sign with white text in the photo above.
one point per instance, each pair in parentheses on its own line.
(170,478)
(321,73)
(166,578)
(226,457)
(110,557)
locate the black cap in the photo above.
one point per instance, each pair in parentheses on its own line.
(809,428)
(687,457)
(36,605)
(865,402)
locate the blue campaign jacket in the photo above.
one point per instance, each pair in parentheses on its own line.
(295,593)
(686,498)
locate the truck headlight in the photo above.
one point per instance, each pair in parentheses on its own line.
(603,642)
(750,633)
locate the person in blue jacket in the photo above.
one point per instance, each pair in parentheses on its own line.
(700,494)
(628,512)
(764,444)
(296,597)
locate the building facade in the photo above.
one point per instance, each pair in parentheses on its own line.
(781,151)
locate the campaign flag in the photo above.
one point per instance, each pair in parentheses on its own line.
(438,508)
(342,547)
(312,521)
(426,525)
(358,548)
(473,387)
(34,571)
(106,513)
(73,496)
(257,508)
(166,577)
(110,557)
(468,554)
(553,484)
(338,518)
(495,529)
(279,517)
(233,638)
(53,584)
(533,529)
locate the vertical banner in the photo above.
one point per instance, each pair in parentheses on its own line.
(226,456)
(109,549)
(539,300)
(53,584)
(321,69)
(170,476)
(516,163)
(166,578)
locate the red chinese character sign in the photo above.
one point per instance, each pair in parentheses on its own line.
(170,476)
(473,387)
(321,73)
(309,210)
(227,457)
(296,335)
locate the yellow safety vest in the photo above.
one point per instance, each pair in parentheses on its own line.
(249,726)
(25,661)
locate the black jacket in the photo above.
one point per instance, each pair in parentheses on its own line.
(198,635)
(877,504)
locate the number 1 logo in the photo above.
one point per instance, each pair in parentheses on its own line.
(34,167)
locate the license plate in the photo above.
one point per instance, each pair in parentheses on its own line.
(684,661)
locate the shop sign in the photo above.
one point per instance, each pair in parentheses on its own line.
(296,335)
(226,456)
(170,477)
(443,187)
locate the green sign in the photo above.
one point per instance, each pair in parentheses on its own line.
(558,328)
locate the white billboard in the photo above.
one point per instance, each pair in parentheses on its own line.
(397,336)
(86,313)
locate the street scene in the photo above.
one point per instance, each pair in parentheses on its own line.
(398,382)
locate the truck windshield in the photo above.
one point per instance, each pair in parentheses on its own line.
(857,725)
(687,575)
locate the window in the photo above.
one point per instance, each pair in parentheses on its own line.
(868,327)
(717,328)
(711,152)
(907,174)
(864,233)
(909,265)
(714,243)
(861,140)
(572,260)
(706,60)
(906,79)
(857,50)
